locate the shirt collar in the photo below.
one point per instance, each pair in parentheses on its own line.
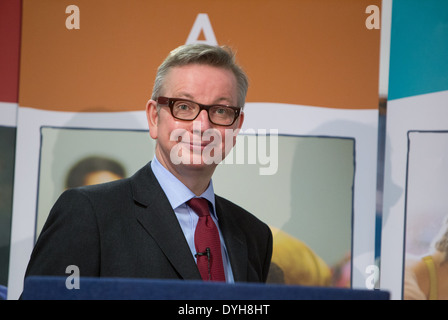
(176,192)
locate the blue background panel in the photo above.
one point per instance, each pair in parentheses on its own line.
(419,48)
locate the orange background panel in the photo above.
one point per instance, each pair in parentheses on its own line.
(307,52)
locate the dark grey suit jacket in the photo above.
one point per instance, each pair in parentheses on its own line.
(127,228)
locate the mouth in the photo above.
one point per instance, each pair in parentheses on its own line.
(197,143)
(201,146)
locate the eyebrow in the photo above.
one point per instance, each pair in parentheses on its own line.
(222,100)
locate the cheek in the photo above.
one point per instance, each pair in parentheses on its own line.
(228,139)
(165,134)
(170,132)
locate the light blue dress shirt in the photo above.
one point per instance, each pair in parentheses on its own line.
(178,194)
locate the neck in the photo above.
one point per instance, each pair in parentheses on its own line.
(194,177)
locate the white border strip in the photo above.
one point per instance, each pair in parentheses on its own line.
(386,22)
(8,114)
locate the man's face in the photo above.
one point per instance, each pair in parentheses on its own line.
(199,143)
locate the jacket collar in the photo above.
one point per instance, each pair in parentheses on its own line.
(155,214)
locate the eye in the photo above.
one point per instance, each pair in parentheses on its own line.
(183,107)
(221,111)
(185,110)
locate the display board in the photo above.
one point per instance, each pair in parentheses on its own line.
(415,202)
(308,147)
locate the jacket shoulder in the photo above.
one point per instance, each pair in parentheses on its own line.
(103,189)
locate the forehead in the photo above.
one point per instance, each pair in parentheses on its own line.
(201,82)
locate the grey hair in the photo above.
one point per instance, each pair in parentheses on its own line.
(217,56)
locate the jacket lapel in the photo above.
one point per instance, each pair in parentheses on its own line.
(155,214)
(235,241)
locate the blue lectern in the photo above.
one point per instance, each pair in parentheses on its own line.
(56,288)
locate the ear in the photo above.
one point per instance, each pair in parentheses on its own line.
(240,121)
(152,117)
(238,127)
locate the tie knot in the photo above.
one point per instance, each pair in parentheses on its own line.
(200,206)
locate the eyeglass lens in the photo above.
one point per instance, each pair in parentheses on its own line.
(218,114)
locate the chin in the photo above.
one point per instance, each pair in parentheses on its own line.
(196,161)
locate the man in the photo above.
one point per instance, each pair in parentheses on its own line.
(153,224)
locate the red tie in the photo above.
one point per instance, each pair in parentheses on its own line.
(207,243)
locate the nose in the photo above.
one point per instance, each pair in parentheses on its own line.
(203,118)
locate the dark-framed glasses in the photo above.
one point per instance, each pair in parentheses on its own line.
(183,109)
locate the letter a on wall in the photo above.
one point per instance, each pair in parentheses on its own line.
(203,24)
(72,21)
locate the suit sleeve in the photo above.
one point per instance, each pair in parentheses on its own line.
(70,236)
